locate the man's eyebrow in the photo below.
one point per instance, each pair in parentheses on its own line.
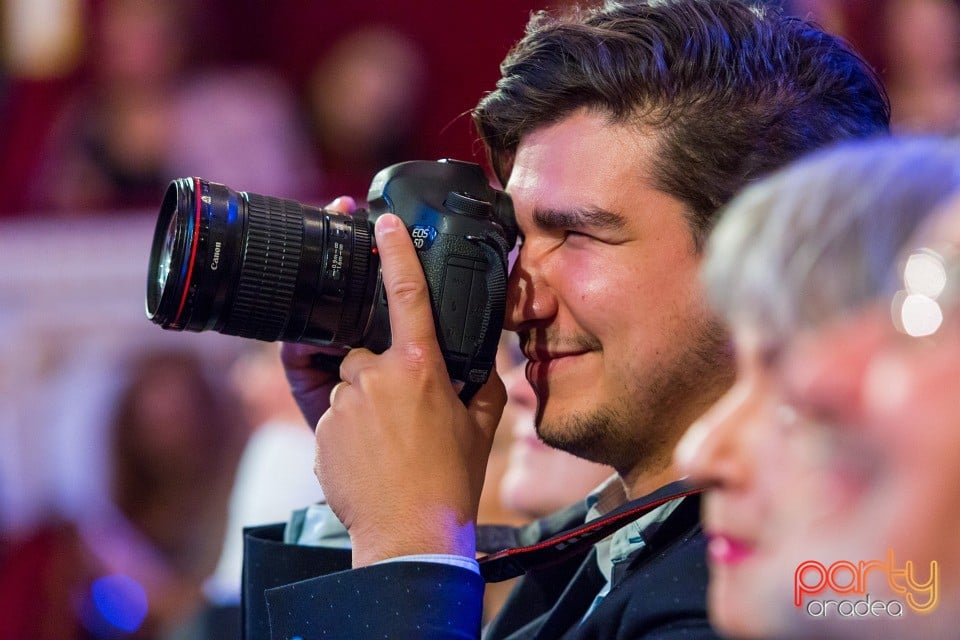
(585,217)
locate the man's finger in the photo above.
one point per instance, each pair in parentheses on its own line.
(356,361)
(336,389)
(411,319)
(343,204)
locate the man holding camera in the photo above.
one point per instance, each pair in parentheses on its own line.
(619,132)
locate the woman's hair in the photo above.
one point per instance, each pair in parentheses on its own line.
(823,236)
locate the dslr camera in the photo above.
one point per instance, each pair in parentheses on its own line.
(271,269)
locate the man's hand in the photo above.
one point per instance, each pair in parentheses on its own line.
(400,459)
(310,384)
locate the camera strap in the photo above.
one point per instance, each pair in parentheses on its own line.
(516,561)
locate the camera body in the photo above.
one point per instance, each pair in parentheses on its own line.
(274,269)
(463,231)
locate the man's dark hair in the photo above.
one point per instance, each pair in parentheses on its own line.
(732,90)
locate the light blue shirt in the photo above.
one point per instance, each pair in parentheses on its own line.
(317,526)
(623,543)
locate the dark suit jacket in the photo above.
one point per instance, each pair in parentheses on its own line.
(660,593)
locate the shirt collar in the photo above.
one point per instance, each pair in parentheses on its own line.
(628,540)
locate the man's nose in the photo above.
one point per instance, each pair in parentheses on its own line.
(530,296)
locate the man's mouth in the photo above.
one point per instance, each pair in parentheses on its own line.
(542,365)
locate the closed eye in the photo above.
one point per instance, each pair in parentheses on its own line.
(580,221)
(573,235)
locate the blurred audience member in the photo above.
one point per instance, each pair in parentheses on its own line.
(147,115)
(539,480)
(108,148)
(891,374)
(132,564)
(364,95)
(923,64)
(275,475)
(242,127)
(493,509)
(824,451)
(913,44)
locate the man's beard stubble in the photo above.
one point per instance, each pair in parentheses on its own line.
(644,422)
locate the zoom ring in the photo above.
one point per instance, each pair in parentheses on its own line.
(350,329)
(268,274)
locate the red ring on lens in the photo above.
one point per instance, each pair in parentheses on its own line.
(193,251)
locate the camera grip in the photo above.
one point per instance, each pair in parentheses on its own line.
(467,281)
(491,323)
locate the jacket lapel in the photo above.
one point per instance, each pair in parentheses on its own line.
(548,599)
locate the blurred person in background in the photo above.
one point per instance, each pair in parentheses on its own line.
(363,96)
(274,478)
(922,75)
(108,147)
(538,479)
(132,563)
(246,50)
(891,373)
(827,450)
(148,114)
(915,47)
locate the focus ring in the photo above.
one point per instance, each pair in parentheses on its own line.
(268,273)
(349,332)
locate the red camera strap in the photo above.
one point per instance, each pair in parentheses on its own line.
(513,562)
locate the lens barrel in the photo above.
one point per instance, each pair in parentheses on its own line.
(259,267)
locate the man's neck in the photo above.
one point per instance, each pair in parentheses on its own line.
(639,482)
